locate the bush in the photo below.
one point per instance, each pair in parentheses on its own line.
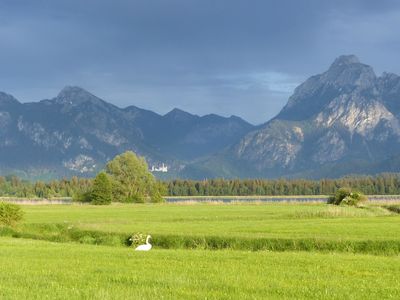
(10,214)
(345,196)
(136,239)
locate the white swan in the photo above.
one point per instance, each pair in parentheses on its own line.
(144,247)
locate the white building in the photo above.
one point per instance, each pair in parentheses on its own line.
(163,168)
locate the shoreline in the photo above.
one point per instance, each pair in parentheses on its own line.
(210,199)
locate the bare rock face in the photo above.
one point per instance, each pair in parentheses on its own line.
(280,142)
(329,148)
(356,115)
(343,115)
(345,76)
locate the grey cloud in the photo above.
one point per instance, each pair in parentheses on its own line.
(230,56)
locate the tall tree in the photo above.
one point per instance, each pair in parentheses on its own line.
(101,193)
(132,180)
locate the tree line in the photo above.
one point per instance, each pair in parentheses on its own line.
(383,184)
(126,178)
(134,188)
(12,186)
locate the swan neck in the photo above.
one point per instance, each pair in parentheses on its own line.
(147,239)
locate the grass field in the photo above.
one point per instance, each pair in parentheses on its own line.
(245,220)
(37,269)
(319,252)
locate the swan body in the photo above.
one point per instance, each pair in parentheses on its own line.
(144,247)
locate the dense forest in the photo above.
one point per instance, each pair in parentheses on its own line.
(388,184)
(13,186)
(384,184)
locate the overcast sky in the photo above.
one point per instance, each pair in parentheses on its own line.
(241,57)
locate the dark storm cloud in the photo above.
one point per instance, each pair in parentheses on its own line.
(229,57)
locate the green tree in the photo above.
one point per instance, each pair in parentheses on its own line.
(10,214)
(101,192)
(132,180)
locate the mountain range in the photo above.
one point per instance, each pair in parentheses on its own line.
(77,132)
(343,121)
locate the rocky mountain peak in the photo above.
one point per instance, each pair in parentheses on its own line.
(346,75)
(6,99)
(74,95)
(179,115)
(345,60)
(389,87)
(389,80)
(348,72)
(346,115)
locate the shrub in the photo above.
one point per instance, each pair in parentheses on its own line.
(136,239)
(345,196)
(10,214)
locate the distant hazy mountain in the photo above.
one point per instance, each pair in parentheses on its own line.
(77,132)
(343,121)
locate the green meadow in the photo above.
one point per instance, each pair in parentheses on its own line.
(203,251)
(272,220)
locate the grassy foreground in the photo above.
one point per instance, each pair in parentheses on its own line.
(265,251)
(38,269)
(264,220)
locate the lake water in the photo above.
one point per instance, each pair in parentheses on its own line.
(322,199)
(246,199)
(271,199)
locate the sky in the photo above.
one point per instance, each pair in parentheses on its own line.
(230,57)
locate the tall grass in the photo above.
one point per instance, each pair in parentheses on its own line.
(393,208)
(64,233)
(385,247)
(342,211)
